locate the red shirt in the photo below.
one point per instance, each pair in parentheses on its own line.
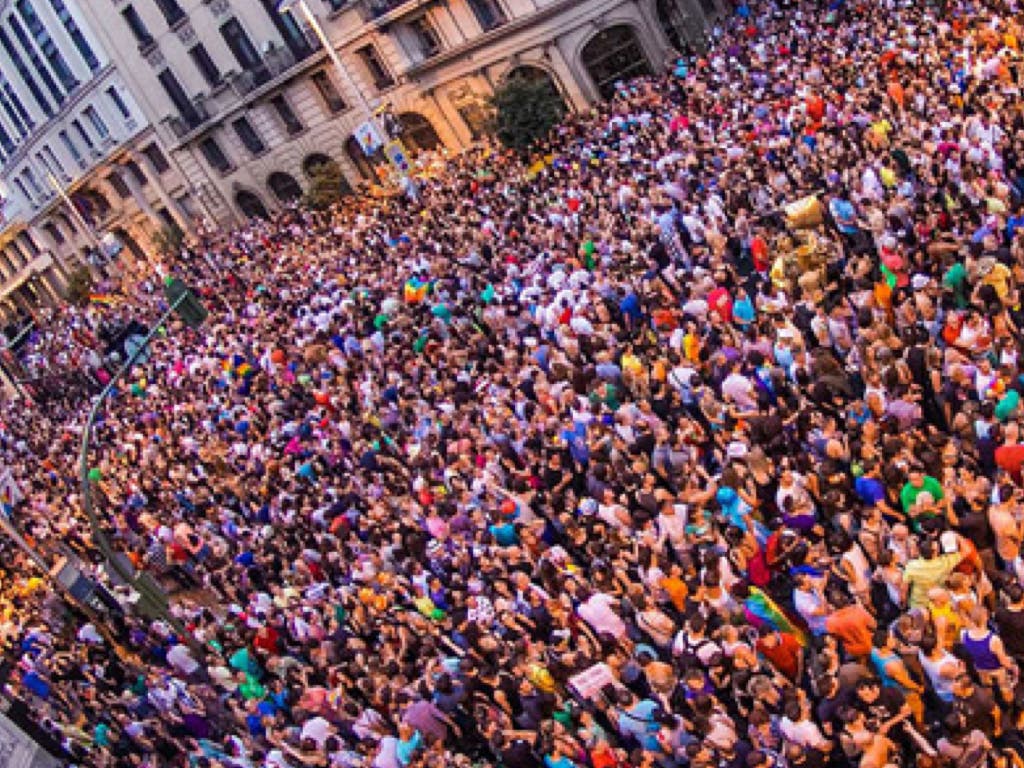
(1009,458)
(266,639)
(784,656)
(720,302)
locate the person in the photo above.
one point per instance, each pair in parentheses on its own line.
(602,429)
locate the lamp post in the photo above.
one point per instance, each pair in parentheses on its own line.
(371,117)
(181,302)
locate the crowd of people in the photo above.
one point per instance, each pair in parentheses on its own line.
(698,444)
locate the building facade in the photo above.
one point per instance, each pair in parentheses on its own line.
(249,102)
(83,175)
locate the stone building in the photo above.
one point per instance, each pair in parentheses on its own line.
(83,175)
(248,101)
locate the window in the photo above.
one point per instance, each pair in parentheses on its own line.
(45,163)
(137,173)
(31,181)
(26,75)
(215,155)
(243,49)
(289,29)
(71,27)
(24,191)
(37,63)
(82,134)
(117,182)
(248,136)
(166,217)
(207,68)
(178,97)
(72,148)
(378,72)
(328,92)
(54,232)
(115,96)
(488,13)
(427,39)
(171,10)
(292,124)
(30,243)
(6,142)
(54,160)
(96,122)
(15,110)
(156,158)
(137,26)
(46,45)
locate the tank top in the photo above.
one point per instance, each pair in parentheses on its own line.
(861,569)
(980,651)
(942,686)
(880,661)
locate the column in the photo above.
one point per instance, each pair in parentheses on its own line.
(139,196)
(173,206)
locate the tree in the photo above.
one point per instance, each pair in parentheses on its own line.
(326,185)
(80,285)
(168,241)
(525,112)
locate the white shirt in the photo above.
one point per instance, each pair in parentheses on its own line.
(599,613)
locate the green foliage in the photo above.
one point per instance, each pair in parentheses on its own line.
(525,112)
(168,241)
(326,185)
(80,285)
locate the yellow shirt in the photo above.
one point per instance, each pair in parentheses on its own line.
(923,574)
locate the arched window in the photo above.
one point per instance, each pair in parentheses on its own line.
(315,161)
(614,55)
(312,164)
(417,132)
(285,187)
(681,25)
(359,159)
(537,75)
(250,205)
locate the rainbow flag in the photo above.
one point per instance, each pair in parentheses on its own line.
(761,609)
(104,299)
(415,290)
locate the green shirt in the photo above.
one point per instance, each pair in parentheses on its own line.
(956,280)
(251,689)
(909,494)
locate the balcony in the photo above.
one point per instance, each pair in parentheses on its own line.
(183,124)
(236,88)
(376,10)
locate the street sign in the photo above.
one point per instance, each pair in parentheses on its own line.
(397,156)
(369,138)
(185,303)
(10,492)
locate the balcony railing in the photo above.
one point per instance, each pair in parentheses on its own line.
(236,87)
(375,9)
(184,124)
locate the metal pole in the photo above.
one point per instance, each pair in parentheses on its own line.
(74,212)
(146,590)
(23,545)
(339,65)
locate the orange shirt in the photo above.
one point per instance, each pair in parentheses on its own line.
(676,591)
(896,93)
(853,626)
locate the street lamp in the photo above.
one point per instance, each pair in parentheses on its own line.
(371,117)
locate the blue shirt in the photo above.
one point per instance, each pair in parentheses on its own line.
(870,490)
(639,722)
(406,749)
